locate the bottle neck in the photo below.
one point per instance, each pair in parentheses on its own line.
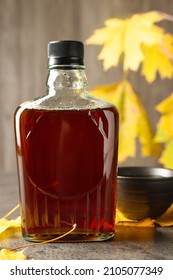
(66,78)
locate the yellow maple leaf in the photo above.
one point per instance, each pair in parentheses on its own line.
(158,58)
(10,254)
(164,132)
(164,128)
(166,157)
(165,107)
(164,220)
(6,254)
(5,224)
(125,37)
(133,119)
(10,224)
(122,220)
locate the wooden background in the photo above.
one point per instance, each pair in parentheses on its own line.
(26,26)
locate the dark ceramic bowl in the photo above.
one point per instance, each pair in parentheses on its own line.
(144,192)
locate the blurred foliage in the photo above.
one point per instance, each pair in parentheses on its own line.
(164,132)
(133,119)
(137,43)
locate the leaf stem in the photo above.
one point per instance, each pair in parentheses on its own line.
(44,242)
(166,16)
(11,211)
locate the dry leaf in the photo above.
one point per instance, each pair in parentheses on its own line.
(5,224)
(164,221)
(9,254)
(122,220)
(167,218)
(14,224)
(46,241)
(6,254)
(133,119)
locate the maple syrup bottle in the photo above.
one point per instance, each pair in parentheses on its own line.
(67,146)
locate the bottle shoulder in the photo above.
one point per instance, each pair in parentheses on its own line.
(67,102)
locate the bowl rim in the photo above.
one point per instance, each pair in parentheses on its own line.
(149,169)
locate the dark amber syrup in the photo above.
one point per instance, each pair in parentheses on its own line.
(67,172)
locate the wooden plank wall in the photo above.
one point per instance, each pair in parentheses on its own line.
(25,29)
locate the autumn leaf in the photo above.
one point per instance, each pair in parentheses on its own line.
(166,157)
(138,41)
(165,107)
(158,58)
(5,224)
(165,128)
(6,254)
(133,119)
(121,220)
(164,220)
(9,254)
(164,132)
(14,224)
(125,37)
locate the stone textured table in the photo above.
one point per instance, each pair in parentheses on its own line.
(132,243)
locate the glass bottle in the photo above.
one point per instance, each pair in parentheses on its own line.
(67,146)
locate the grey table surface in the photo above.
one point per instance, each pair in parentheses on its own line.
(129,243)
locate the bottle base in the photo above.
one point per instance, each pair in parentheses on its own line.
(77,237)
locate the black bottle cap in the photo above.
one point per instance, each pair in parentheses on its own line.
(65,53)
